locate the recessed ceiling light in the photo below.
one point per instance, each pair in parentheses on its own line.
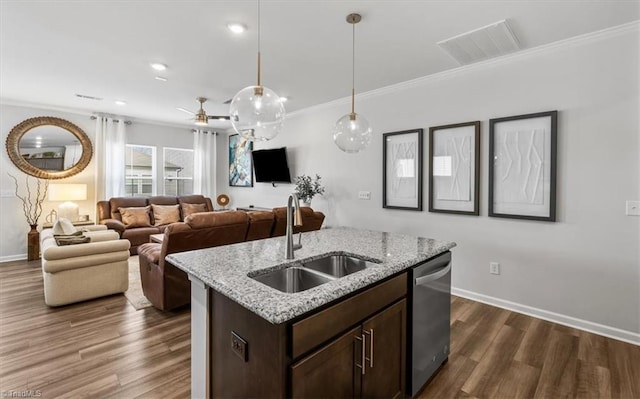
(38,137)
(160,78)
(38,146)
(120,102)
(284,99)
(236,27)
(158,66)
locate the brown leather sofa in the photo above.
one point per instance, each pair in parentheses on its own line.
(168,287)
(109,215)
(311,220)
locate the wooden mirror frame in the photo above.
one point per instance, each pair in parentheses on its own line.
(13,147)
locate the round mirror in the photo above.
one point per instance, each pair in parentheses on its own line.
(49,147)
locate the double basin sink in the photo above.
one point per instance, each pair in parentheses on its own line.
(312,273)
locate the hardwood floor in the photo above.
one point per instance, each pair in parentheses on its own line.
(496,353)
(97,349)
(106,349)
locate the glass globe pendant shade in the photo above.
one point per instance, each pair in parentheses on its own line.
(257,113)
(352,133)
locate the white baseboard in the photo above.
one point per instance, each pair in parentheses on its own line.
(600,329)
(11,258)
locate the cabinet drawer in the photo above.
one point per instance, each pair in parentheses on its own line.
(318,328)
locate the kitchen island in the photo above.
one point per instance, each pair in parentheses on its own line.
(245,329)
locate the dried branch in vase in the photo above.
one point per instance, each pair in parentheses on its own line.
(32,207)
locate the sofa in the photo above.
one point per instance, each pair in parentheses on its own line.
(168,287)
(74,273)
(109,214)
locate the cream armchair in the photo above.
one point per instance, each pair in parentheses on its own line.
(74,273)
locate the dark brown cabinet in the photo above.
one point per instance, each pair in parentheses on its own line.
(330,372)
(353,348)
(368,361)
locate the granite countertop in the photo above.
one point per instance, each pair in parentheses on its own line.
(226,268)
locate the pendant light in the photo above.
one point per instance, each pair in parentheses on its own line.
(352,132)
(256,112)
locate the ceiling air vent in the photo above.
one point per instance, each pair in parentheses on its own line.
(228,101)
(481,44)
(89,97)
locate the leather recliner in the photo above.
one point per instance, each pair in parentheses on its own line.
(168,287)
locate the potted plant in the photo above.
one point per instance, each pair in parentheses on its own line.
(307,188)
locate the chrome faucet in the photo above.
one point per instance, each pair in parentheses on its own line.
(294,218)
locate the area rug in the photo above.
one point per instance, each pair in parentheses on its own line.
(134,294)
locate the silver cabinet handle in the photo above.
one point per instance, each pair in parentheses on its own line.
(362,350)
(433,276)
(370,359)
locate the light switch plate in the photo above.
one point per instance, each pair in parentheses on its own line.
(633,208)
(364,195)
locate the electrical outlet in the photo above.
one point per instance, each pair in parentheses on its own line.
(239,346)
(494,268)
(633,208)
(364,195)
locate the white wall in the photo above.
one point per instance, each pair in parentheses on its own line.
(13,225)
(586,265)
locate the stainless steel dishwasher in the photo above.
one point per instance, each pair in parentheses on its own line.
(429,324)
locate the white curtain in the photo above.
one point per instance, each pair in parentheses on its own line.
(109,155)
(204,163)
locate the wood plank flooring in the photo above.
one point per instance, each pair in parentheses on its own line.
(106,349)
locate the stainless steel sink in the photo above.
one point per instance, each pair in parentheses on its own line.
(293,279)
(337,265)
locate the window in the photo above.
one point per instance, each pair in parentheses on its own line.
(178,171)
(140,163)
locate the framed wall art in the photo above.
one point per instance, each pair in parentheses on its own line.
(454,168)
(402,173)
(522,166)
(240,165)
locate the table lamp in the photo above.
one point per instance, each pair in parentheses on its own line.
(68,193)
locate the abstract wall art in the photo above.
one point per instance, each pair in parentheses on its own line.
(522,166)
(402,174)
(240,165)
(454,168)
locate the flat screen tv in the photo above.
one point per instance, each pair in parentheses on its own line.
(271,165)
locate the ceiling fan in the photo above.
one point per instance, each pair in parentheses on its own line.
(201,118)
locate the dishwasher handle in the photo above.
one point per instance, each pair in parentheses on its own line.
(433,276)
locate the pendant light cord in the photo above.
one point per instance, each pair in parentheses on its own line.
(259,82)
(353,69)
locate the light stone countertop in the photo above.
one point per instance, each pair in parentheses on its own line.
(226,268)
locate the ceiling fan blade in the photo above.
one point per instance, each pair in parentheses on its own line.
(185,110)
(219,117)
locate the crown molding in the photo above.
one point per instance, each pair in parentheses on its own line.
(505,59)
(84,112)
(48,107)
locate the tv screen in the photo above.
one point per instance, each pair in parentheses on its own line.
(271,165)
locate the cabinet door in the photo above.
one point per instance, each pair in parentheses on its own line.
(331,371)
(385,353)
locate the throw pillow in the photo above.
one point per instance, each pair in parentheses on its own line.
(64,226)
(135,217)
(188,209)
(165,214)
(71,240)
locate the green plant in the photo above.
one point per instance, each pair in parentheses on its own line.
(307,188)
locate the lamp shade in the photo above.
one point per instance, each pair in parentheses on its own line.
(67,192)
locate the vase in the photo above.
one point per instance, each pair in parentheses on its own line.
(306,203)
(33,243)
